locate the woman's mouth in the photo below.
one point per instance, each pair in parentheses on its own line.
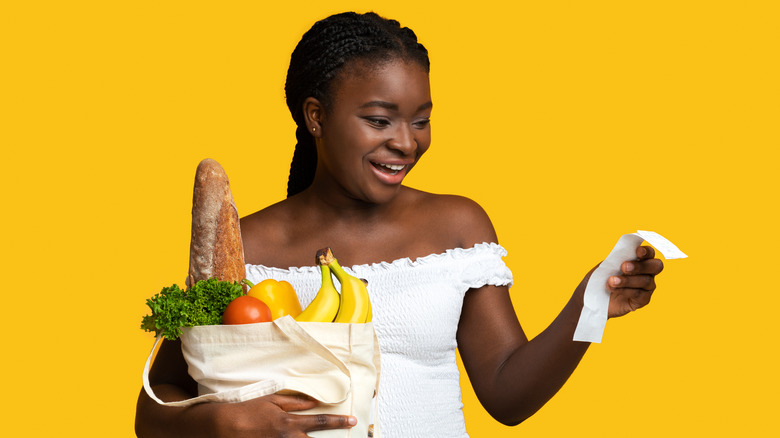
(390,173)
(391,169)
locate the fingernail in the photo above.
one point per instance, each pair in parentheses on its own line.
(628,267)
(616,281)
(352,421)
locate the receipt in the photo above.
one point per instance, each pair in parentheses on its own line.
(593,318)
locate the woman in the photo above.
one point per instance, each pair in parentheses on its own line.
(358,90)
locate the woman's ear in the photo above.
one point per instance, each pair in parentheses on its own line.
(313,112)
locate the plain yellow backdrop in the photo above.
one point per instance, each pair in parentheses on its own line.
(571,123)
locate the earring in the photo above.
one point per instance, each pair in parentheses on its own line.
(314,129)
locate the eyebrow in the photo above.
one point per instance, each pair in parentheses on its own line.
(392,106)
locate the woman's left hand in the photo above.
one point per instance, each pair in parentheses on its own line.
(635,286)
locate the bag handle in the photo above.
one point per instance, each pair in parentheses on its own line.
(253,390)
(294,331)
(289,327)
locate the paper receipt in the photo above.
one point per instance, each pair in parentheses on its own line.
(593,318)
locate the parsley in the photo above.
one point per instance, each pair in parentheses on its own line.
(202,304)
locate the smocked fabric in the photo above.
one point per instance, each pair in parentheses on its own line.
(416,308)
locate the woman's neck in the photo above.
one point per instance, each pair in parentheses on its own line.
(334,205)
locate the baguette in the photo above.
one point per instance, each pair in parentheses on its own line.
(216,249)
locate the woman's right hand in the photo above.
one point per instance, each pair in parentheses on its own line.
(274,416)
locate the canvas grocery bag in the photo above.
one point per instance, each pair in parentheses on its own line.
(337,364)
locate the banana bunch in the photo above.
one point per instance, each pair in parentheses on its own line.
(352,305)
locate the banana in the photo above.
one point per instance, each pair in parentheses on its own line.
(326,304)
(355,305)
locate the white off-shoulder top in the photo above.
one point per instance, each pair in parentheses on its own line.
(416,307)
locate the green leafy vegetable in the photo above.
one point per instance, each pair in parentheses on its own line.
(202,304)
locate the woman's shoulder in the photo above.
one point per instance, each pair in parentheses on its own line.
(268,228)
(261,219)
(459,217)
(449,204)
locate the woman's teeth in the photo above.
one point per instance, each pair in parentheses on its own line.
(390,168)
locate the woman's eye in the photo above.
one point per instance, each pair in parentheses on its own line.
(378,122)
(420,124)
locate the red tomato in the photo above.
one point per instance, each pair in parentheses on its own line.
(246,310)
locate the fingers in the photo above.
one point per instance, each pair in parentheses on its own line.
(642,282)
(308,423)
(645,252)
(634,288)
(638,274)
(293,402)
(651,266)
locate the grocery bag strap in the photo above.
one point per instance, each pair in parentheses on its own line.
(293,331)
(298,334)
(147,366)
(254,390)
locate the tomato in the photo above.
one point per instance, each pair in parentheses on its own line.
(246,310)
(279,295)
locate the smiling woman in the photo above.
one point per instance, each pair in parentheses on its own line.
(358,90)
(372,138)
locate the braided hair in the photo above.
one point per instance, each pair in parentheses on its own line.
(323,52)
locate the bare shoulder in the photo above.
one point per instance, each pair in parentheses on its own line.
(462,219)
(259,221)
(264,230)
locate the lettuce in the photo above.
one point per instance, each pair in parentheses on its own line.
(202,304)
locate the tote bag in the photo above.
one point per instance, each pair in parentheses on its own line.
(334,363)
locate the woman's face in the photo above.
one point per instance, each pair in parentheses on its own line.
(374,131)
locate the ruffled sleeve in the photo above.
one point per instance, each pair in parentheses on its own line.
(482,265)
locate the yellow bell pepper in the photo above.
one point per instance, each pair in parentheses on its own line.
(278,295)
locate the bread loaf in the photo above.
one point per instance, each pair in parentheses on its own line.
(216,249)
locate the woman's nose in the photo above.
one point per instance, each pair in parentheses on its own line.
(403,140)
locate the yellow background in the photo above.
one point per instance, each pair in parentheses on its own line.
(570,122)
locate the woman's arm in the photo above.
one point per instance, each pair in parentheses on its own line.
(512,376)
(267,416)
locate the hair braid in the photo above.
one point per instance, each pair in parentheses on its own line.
(304,162)
(322,53)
